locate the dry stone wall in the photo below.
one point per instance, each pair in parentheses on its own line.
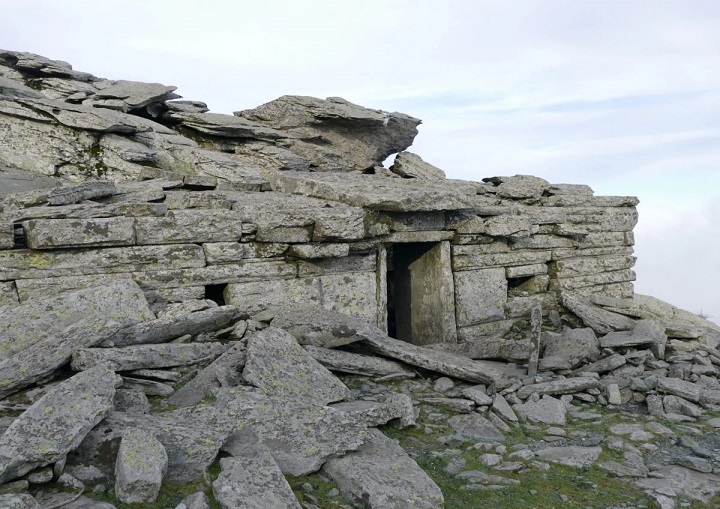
(289,202)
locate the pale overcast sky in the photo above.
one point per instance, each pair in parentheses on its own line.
(621,95)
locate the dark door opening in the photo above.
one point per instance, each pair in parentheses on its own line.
(421,300)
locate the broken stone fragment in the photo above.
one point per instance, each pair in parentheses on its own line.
(570,349)
(251,478)
(409,165)
(380,475)
(301,436)
(140,466)
(225,371)
(598,319)
(474,426)
(313,325)
(546,410)
(129,358)
(280,367)
(51,428)
(650,332)
(79,192)
(40,336)
(357,364)
(168,328)
(18,501)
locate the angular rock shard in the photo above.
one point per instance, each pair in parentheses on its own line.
(57,423)
(380,475)
(280,367)
(140,467)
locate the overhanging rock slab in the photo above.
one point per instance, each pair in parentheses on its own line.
(129,358)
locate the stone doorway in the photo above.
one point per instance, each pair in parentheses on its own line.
(420,293)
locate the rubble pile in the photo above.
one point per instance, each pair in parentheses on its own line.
(235,301)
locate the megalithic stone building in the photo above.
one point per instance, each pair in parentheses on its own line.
(286,202)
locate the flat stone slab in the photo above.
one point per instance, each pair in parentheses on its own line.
(681,388)
(300,436)
(171,327)
(446,363)
(547,410)
(67,233)
(18,501)
(281,368)
(572,456)
(476,427)
(357,364)
(140,466)
(40,336)
(56,423)
(251,478)
(313,325)
(375,413)
(598,319)
(129,358)
(380,475)
(563,386)
(685,482)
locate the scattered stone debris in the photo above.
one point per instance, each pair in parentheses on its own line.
(235,309)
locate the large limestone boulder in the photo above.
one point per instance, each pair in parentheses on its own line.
(57,423)
(335,134)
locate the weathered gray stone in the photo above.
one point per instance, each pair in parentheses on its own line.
(38,337)
(195,501)
(644,332)
(600,320)
(570,349)
(603,365)
(140,466)
(280,367)
(358,364)
(224,371)
(679,387)
(194,225)
(312,325)
(26,263)
(684,481)
(478,395)
(168,328)
(311,251)
(190,438)
(148,387)
(79,192)
(474,426)
(501,407)
(486,347)
(409,165)
(51,428)
(441,362)
(351,293)
(8,294)
(380,475)
(562,386)
(366,138)
(546,410)
(132,95)
(374,413)
(252,479)
(18,501)
(67,233)
(480,296)
(234,252)
(13,180)
(398,195)
(573,456)
(129,358)
(131,401)
(300,436)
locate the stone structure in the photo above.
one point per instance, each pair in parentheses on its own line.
(230,266)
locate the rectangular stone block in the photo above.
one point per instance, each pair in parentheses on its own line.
(625,290)
(526,270)
(423,236)
(197,226)
(216,274)
(543,242)
(28,289)
(560,254)
(413,221)
(88,211)
(520,307)
(7,235)
(196,200)
(353,293)
(8,294)
(317,251)
(578,200)
(480,296)
(30,264)
(572,267)
(603,239)
(279,233)
(68,233)
(605,278)
(233,252)
(337,223)
(355,263)
(605,219)
(472,257)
